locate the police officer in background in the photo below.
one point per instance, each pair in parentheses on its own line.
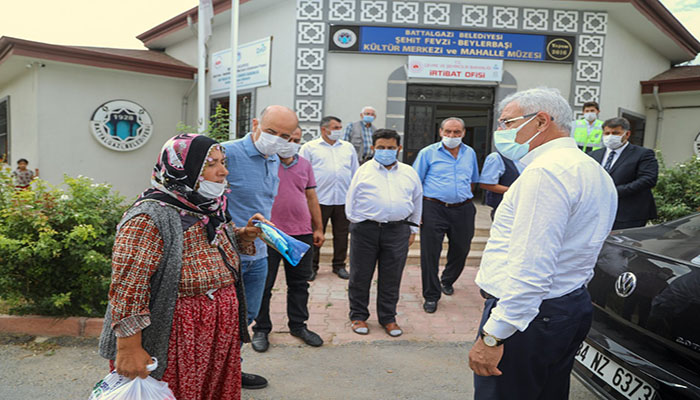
(588,131)
(497,175)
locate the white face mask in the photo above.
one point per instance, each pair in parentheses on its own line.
(211,190)
(269,144)
(289,150)
(336,135)
(590,116)
(451,142)
(612,142)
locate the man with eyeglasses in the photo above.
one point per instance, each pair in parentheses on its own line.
(543,245)
(253,166)
(449,173)
(634,169)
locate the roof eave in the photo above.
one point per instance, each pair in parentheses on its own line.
(12,46)
(180,21)
(672,85)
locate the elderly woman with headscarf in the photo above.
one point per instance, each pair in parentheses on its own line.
(176,292)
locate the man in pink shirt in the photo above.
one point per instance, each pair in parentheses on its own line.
(296,212)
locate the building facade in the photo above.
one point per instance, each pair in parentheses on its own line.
(332,57)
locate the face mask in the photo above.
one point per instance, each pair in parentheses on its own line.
(385,157)
(269,144)
(612,141)
(368,119)
(336,135)
(506,144)
(590,116)
(290,150)
(211,190)
(451,142)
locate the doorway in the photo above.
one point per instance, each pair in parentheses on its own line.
(428,105)
(244,111)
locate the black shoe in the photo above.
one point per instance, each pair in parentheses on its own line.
(430,306)
(260,342)
(310,338)
(252,381)
(313,275)
(447,289)
(342,273)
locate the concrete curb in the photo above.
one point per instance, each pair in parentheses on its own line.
(51,326)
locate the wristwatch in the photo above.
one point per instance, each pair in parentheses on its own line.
(490,340)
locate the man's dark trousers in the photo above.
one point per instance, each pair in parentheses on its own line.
(297,289)
(629,224)
(340,235)
(536,363)
(458,224)
(370,244)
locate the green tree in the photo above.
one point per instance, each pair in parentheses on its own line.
(677,192)
(217,128)
(56,245)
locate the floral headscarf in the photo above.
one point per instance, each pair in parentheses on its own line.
(175,179)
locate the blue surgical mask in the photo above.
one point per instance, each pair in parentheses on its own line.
(508,147)
(385,157)
(368,119)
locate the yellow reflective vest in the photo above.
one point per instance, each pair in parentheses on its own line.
(588,141)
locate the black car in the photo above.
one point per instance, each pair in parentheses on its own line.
(645,340)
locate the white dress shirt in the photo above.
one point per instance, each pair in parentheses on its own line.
(546,234)
(384,195)
(618,151)
(334,167)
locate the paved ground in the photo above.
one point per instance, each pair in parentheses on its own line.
(377,370)
(456,320)
(428,362)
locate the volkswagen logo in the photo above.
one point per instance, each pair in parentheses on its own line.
(625,284)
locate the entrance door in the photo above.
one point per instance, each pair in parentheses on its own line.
(428,105)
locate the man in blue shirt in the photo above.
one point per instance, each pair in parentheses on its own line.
(253,163)
(449,172)
(497,174)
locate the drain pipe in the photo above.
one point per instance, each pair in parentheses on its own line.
(185,101)
(659,115)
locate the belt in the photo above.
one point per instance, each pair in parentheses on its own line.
(448,205)
(380,224)
(486,295)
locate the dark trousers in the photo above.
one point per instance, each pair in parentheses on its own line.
(629,224)
(369,244)
(297,289)
(458,224)
(340,225)
(536,363)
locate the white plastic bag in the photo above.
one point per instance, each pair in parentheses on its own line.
(118,387)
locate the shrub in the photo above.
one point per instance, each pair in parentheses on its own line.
(218,125)
(677,192)
(55,246)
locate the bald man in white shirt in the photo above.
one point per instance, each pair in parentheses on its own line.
(384,204)
(545,238)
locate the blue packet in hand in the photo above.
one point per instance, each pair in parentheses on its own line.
(291,249)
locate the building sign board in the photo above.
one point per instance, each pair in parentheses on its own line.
(451,43)
(253,67)
(474,69)
(121,125)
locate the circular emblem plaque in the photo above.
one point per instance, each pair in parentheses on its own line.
(559,49)
(344,38)
(121,125)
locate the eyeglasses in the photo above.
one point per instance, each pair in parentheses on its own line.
(503,123)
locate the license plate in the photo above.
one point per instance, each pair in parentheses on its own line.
(626,383)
